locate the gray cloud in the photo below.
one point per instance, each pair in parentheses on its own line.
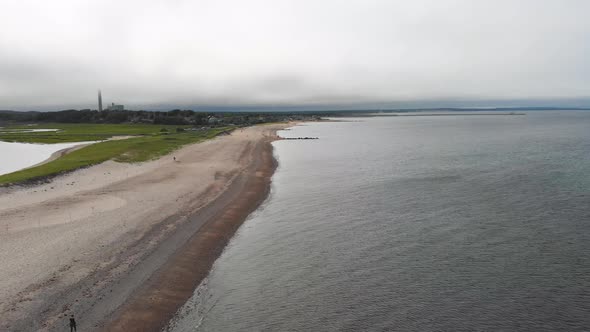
(56,54)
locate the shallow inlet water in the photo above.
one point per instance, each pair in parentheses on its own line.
(16,156)
(454,223)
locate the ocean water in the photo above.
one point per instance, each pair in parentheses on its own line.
(437,223)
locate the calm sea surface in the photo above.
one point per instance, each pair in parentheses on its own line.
(438,223)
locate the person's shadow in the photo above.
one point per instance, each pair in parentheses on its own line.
(72,324)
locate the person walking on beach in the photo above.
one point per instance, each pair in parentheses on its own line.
(72,324)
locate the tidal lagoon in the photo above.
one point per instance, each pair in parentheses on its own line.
(16,156)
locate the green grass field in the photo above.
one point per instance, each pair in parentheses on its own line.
(151,144)
(79,132)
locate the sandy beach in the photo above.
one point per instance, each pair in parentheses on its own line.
(121,246)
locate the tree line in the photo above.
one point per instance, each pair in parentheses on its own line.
(173,117)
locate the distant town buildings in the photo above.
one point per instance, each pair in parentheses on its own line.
(212,120)
(114,107)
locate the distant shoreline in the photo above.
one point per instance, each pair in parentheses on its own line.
(412,114)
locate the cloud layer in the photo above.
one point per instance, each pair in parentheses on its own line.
(56,54)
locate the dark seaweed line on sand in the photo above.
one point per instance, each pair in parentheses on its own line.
(155,302)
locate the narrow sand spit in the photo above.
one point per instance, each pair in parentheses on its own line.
(63,152)
(97,241)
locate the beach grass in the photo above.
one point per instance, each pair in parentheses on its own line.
(135,149)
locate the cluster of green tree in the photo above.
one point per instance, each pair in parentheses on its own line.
(173,117)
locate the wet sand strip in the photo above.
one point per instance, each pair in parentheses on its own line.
(154,303)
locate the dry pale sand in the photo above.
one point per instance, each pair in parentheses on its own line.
(85,242)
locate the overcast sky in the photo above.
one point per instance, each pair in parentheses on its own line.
(149,54)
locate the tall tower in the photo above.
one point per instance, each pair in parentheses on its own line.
(99,101)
